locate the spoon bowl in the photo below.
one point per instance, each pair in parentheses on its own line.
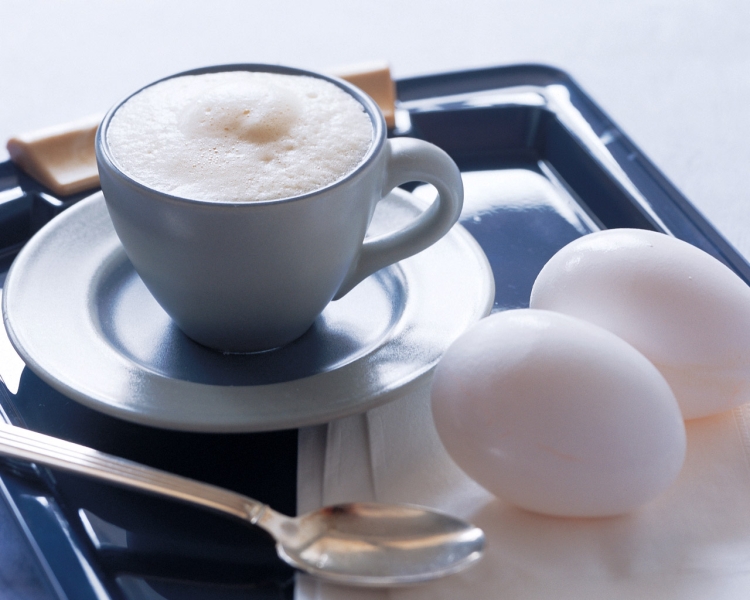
(365,544)
(372,544)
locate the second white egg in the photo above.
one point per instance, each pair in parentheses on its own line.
(684,310)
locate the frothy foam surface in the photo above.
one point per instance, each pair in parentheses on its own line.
(239,135)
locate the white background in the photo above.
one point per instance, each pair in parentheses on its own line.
(674,74)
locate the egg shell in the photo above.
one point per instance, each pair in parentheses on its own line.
(557,416)
(683,309)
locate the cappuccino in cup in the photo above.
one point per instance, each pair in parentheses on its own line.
(240,136)
(242,195)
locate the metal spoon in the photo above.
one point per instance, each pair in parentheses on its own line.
(356,544)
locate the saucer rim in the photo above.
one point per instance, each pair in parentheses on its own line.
(308,389)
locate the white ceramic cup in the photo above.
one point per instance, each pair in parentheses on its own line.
(251,276)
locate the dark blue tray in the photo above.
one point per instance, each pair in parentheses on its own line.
(542,165)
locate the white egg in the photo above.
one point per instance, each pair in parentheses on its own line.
(557,416)
(683,309)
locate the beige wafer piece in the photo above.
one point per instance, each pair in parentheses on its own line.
(62,157)
(373,78)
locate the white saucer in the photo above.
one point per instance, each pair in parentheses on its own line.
(82,320)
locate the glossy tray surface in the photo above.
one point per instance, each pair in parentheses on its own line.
(542,165)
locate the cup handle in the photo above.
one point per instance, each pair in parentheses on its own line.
(409,160)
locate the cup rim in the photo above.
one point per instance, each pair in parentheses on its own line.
(104,152)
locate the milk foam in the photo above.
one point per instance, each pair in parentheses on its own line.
(240,136)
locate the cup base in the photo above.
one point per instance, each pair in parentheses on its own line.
(234,344)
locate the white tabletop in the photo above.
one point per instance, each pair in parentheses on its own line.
(673,74)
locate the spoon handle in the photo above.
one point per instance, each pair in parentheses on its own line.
(26,445)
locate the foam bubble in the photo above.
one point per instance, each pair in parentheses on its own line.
(240,136)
